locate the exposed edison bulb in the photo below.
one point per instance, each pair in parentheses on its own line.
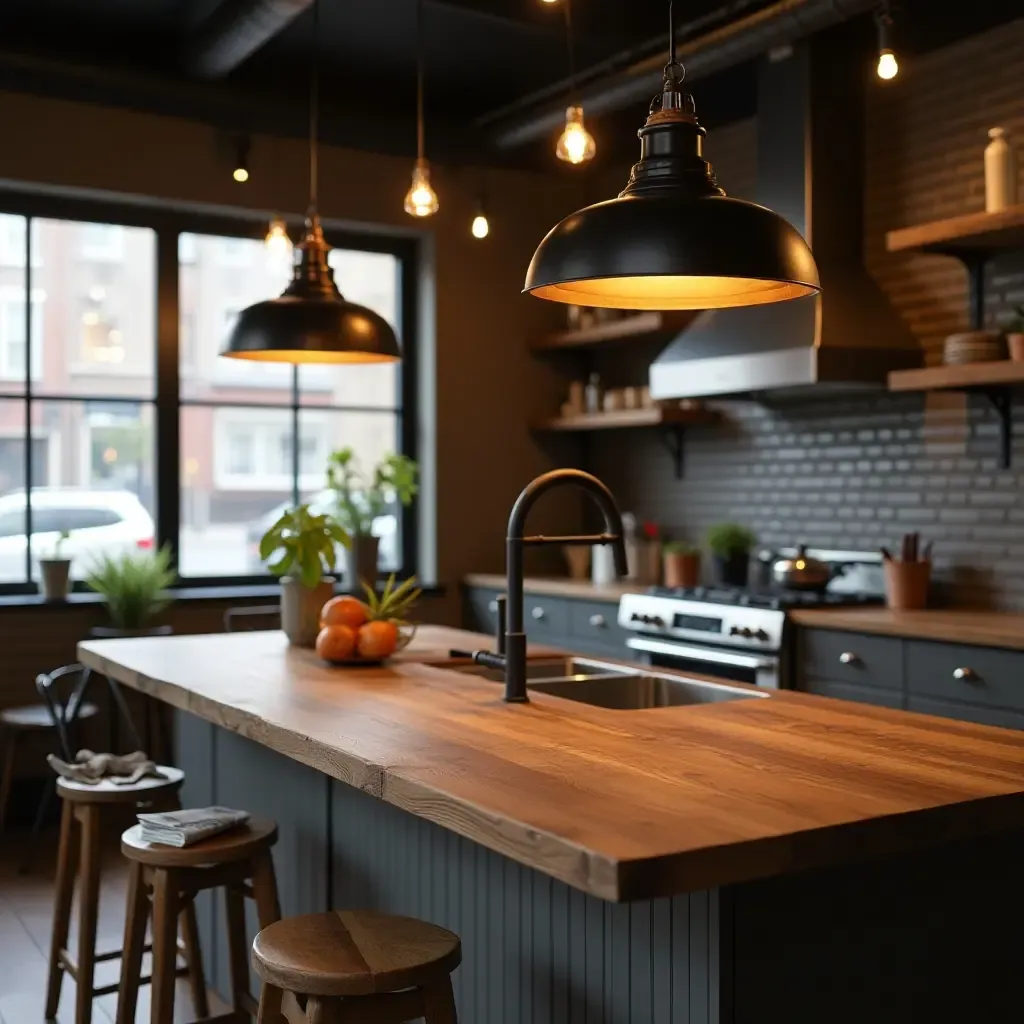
(480,227)
(887,65)
(279,245)
(240,174)
(575,144)
(421,199)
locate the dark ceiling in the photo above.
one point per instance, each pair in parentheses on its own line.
(198,58)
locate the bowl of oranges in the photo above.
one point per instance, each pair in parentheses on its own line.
(354,632)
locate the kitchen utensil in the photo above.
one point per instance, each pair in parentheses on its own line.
(803,572)
(886,555)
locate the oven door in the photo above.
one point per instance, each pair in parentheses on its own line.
(756,668)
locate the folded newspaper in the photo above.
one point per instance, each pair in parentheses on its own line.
(182,828)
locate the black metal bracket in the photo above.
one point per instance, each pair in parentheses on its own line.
(673,437)
(1001,400)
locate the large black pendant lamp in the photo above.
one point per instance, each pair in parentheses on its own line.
(311,322)
(672,239)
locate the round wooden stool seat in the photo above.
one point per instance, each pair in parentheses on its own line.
(353,953)
(107,792)
(242,842)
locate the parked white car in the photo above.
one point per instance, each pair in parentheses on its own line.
(99,523)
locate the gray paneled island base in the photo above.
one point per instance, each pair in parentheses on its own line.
(791,859)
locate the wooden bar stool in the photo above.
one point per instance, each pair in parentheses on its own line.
(240,861)
(357,967)
(88,808)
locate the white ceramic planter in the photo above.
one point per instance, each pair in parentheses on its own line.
(300,609)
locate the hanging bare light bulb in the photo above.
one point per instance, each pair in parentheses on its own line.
(241,170)
(421,199)
(575,145)
(888,67)
(480,227)
(279,245)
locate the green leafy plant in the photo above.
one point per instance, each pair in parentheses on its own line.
(134,585)
(361,499)
(305,545)
(58,546)
(727,539)
(678,547)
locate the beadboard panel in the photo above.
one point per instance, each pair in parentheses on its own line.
(535,951)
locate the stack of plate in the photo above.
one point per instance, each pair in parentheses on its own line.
(974,347)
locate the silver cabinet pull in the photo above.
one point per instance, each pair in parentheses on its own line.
(849,658)
(598,621)
(966,675)
(492,606)
(537,612)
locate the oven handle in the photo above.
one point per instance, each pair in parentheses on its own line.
(701,654)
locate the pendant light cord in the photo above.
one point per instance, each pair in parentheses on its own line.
(314,106)
(672,62)
(419,80)
(572,52)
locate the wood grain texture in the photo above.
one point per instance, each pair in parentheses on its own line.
(623,805)
(958,377)
(240,843)
(106,791)
(647,324)
(654,416)
(558,586)
(977,232)
(951,625)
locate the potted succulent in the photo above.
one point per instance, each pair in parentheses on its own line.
(55,571)
(134,586)
(681,563)
(360,500)
(305,546)
(730,546)
(1014,328)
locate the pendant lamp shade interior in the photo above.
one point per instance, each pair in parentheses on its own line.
(672,239)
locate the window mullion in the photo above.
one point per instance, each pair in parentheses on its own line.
(168,430)
(28,399)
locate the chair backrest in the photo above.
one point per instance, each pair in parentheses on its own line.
(253,617)
(63,691)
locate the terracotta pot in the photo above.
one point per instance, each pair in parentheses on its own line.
(55,575)
(1015,343)
(301,607)
(682,568)
(906,585)
(733,569)
(361,562)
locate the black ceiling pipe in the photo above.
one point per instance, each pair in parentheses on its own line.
(744,39)
(235,31)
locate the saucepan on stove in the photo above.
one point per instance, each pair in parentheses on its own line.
(803,572)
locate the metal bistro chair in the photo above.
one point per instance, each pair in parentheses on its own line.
(63,707)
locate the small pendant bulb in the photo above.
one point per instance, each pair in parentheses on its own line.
(575,145)
(480,228)
(279,245)
(888,66)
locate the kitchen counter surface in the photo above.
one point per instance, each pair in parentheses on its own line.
(952,625)
(559,586)
(620,804)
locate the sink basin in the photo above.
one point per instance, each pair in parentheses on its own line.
(636,691)
(560,669)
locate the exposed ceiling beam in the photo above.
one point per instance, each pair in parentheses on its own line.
(235,31)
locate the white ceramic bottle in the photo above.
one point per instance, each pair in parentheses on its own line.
(1000,172)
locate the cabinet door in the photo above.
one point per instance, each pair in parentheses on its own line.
(480,610)
(987,676)
(593,625)
(546,618)
(851,658)
(967,712)
(853,691)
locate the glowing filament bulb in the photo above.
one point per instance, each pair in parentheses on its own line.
(575,144)
(421,199)
(480,228)
(279,245)
(240,174)
(887,65)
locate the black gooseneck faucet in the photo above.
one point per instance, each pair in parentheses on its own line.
(513,658)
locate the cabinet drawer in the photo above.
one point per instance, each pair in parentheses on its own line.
(545,618)
(596,622)
(967,712)
(482,610)
(974,675)
(853,691)
(851,658)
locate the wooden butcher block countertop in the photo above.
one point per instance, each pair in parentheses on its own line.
(620,804)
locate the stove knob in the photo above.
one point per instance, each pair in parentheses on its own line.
(656,620)
(635,617)
(746,632)
(734,631)
(760,634)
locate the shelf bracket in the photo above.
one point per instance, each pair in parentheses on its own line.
(1001,401)
(673,437)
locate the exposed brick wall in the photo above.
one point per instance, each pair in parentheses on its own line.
(857,472)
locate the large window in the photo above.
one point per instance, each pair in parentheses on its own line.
(127,439)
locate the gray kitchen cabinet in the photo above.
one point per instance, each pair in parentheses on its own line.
(967,712)
(892,698)
(985,676)
(852,658)
(594,625)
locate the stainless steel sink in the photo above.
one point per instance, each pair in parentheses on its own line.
(637,691)
(558,669)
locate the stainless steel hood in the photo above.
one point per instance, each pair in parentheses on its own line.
(810,155)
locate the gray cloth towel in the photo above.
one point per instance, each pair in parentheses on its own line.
(120,769)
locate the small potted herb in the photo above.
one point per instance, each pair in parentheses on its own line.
(55,571)
(730,546)
(361,500)
(134,587)
(1014,329)
(304,551)
(681,563)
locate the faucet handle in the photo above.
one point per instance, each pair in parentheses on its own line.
(501,608)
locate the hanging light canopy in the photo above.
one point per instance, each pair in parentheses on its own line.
(311,322)
(672,239)
(421,199)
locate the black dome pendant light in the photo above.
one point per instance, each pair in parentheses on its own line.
(311,322)
(672,239)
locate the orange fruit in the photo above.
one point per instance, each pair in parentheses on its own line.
(377,639)
(336,643)
(343,611)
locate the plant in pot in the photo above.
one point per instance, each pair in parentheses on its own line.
(730,546)
(134,587)
(301,548)
(681,563)
(361,500)
(55,571)
(1014,329)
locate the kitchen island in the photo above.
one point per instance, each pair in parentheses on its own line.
(782,857)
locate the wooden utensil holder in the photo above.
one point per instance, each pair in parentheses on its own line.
(906,585)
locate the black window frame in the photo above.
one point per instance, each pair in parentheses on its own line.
(168,224)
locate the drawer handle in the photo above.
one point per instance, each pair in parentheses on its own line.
(849,658)
(492,606)
(967,675)
(598,621)
(538,612)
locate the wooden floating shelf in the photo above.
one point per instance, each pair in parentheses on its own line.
(965,377)
(668,416)
(639,325)
(970,233)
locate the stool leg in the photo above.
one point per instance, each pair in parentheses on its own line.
(194,958)
(10,756)
(165,944)
(439,1003)
(238,947)
(88,910)
(65,886)
(136,912)
(270,1005)
(264,884)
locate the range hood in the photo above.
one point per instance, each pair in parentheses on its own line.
(810,169)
